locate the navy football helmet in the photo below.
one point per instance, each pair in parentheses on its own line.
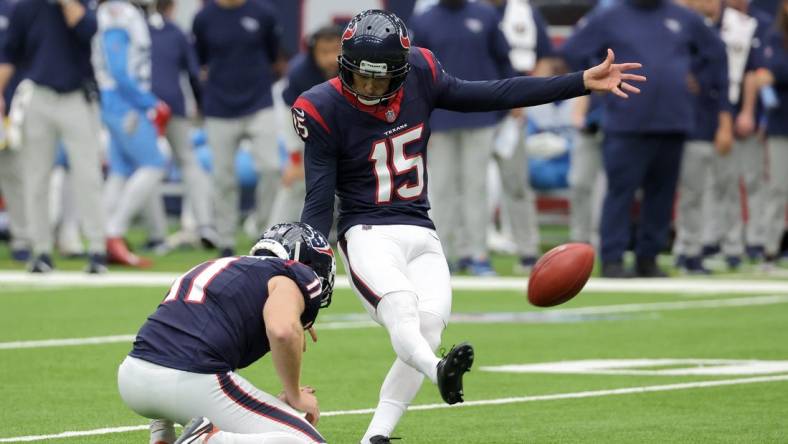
(375,44)
(299,242)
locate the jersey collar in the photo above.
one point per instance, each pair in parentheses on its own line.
(387,112)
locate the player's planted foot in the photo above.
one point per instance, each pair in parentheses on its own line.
(41,264)
(198,430)
(450,370)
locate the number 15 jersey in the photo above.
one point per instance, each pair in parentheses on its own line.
(374,157)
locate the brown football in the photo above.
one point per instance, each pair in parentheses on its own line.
(560,274)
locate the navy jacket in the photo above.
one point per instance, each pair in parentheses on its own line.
(668,40)
(239,46)
(470,46)
(51,53)
(374,158)
(303,73)
(5,15)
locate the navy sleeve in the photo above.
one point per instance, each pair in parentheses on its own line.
(544,46)
(723,79)
(706,44)
(272,35)
(586,43)
(455,94)
(191,66)
(87,26)
(777,61)
(320,166)
(499,49)
(14,48)
(200,48)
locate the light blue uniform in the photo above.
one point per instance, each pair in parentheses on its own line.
(122,59)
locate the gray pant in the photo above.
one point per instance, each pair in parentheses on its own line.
(722,210)
(458,189)
(288,204)
(585,170)
(752,159)
(695,169)
(224,136)
(777,193)
(519,200)
(13,191)
(51,116)
(195,180)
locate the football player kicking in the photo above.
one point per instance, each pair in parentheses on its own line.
(224,315)
(365,135)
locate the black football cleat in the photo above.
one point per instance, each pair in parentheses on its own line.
(380,439)
(450,370)
(197,428)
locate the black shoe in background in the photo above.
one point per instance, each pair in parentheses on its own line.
(616,270)
(647,267)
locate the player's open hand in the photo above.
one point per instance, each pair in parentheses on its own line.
(611,77)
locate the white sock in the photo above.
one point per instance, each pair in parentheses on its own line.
(138,190)
(399,313)
(402,383)
(162,430)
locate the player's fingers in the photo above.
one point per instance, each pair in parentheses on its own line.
(627,87)
(633,77)
(628,66)
(617,91)
(313,333)
(611,57)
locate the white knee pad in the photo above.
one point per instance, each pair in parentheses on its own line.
(398,311)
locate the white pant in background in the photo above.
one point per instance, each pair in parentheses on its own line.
(777,194)
(242,412)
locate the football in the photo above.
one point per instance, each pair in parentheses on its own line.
(560,274)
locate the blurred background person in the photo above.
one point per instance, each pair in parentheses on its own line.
(776,54)
(52,42)
(173,59)
(237,42)
(713,132)
(307,69)
(466,38)
(644,136)
(11,173)
(531,54)
(133,116)
(724,230)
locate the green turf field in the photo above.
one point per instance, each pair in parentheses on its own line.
(55,389)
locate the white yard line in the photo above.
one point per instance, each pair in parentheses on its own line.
(360,320)
(15,279)
(484,402)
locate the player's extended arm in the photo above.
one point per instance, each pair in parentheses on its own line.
(460,95)
(282,316)
(116,45)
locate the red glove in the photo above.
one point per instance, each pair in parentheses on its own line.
(160,115)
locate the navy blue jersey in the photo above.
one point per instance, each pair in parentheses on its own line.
(302,74)
(212,318)
(374,158)
(713,96)
(5,17)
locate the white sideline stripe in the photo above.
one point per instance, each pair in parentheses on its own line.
(666,285)
(460,318)
(483,402)
(66,342)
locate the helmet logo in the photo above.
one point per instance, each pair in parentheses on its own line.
(350,31)
(404,40)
